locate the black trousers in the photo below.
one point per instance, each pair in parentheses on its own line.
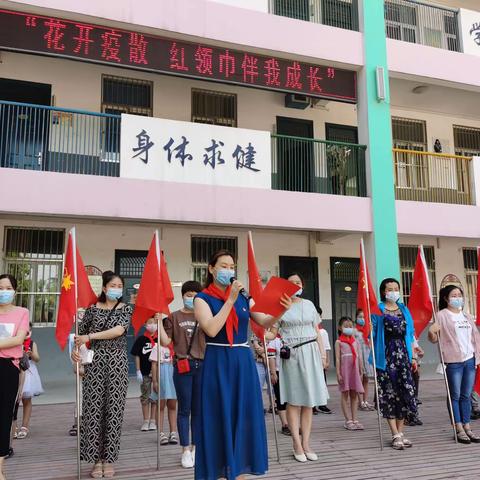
(9,376)
(276,391)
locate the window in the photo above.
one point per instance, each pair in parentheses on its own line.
(299,9)
(124,95)
(35,258)
(466,140)
(470,264)
(411,171)
(408,257)
(216,108)
(204,247)
(401,21)
(340,14)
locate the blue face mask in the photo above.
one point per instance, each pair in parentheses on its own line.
(361,321)
(347,331)
(188,302)
(299,293)
(6,296)
(456,302)
(114,293)
(224,276)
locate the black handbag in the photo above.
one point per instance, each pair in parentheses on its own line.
(285,352)
(24,363)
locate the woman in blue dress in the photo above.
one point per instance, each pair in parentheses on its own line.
(231,436)
(393,339)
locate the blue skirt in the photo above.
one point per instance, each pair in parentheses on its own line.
(231,435)
(167,387)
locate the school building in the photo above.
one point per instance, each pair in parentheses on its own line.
(311,123)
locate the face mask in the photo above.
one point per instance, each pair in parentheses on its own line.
(393,296)
(6,296)
(347,331)
(456,302)
(299,293)
(188,303)
(224,276)
(114,293)
(151,327)
(361,321)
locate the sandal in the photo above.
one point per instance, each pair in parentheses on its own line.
(462,437)
(163,439)
(15,434)
(349,425)
(108,470)
(73,432)
(23,433)
(97,471)
(370,407)
(358,425)
(406,442)
(173,439)
(474,438)
(397,442)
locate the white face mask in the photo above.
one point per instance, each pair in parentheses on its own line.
(393,296)
(151,327)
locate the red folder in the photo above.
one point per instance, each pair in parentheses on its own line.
(269,300)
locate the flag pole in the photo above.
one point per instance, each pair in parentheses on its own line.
(372,346)
(159,319)
(272,403)
(77,364)
(440,351)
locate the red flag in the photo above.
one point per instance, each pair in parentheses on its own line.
(254,285)
(476,387)
(76,291)
(478,288)
(366,298)
(420,303)
(155,291)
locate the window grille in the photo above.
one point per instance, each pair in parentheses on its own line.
(34,256)
(215,108)
(466,140)
(470,265)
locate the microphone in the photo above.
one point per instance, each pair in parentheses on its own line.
(242,291)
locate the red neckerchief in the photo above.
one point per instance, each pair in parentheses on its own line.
(152,337)
(27,344)
(232,319)
(349,339)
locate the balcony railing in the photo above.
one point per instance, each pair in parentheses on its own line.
(36,137)
(310,165)
(418,22)
(335,13)
(433,177)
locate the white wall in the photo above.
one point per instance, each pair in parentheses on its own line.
(78,85)
(260,5)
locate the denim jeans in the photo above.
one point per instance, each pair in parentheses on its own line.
(188,386)
(461,378)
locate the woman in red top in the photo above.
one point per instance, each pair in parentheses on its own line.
(13,330)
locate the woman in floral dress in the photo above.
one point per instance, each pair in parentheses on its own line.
(393,338)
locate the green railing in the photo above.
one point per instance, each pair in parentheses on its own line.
(36,137)
(310,165)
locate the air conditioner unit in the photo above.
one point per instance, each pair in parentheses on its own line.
(294,100)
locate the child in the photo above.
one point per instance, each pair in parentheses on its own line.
(32,385)
(328,348)
(168,396)
(141,350)
(367,367)
(418,353)
(349,372)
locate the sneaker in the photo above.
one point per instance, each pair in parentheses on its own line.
(145,426)
(152,426)
(286,431)
(324,409)
(173,439)
(193,456)
(163,439)
(187,459)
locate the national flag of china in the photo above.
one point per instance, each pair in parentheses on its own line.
(254,285)
(478,288)
(75,283)
(366,301)
(420,302)
(155,292)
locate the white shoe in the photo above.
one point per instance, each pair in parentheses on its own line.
(311,456)
(152,426)
(187,460)
(193,456)
(300,458)
(145,426)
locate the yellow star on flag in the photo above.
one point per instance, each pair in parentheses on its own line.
(67,281)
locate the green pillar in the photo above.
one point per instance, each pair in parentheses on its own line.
(375,131)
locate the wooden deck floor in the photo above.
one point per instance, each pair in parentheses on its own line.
(49,453)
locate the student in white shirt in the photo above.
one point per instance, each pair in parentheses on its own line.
(328,348)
